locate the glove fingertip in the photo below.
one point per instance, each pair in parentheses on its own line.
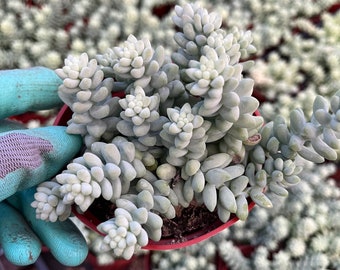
(22,253)
(72,256)
(20,244)
(71,248)
(64,240)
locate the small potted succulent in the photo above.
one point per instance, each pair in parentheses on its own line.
(171,135)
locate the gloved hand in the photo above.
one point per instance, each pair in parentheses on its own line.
(27,158)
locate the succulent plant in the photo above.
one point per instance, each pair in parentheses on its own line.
(299,232)
(200,256)
(185,131)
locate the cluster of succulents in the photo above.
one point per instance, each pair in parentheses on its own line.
(276,76)
(294,53)
(302,34)
(299,232)
(309,52)
(89,95)
(271,23)
(201,256)
(157,143)
(185,131)
(45,32)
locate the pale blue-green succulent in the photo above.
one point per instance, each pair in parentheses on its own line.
(299,232)
(196,257)
(186,132)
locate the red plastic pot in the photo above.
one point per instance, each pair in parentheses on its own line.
(91,221)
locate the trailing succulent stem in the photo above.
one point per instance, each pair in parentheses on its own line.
(186,130)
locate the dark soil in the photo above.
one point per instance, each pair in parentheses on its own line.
(187,221)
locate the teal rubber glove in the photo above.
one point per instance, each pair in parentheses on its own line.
(27,158)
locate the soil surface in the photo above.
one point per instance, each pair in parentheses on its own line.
(187,221)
